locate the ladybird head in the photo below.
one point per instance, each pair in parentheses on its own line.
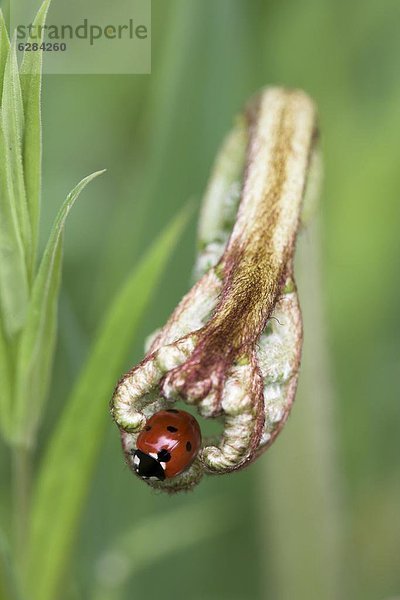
(147,466)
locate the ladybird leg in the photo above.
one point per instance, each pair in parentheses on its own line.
(243,408)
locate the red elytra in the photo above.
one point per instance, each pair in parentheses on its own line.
(168,444)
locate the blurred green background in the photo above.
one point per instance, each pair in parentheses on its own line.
(318,515)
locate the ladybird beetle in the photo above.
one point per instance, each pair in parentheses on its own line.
(167,446)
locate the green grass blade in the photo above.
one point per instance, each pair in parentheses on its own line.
(8,581)
(4,49)
(31,70)
(150,540)
(38,336)
(14,288)
(12,123)
(5,385)
(67,468)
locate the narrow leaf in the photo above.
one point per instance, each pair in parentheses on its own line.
(31,71)
(67,468)
(12,123)
(8,581)
(38,337)
(4,49)
(5,385)
(14,289)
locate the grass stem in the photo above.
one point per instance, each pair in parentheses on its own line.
(21,486)
(300,505)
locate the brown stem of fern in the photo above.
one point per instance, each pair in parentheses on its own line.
(215,350)
(258,256)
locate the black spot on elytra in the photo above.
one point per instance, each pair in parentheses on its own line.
(172,429)
(172,410)
(188,446)
(164,455)
(148,427)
